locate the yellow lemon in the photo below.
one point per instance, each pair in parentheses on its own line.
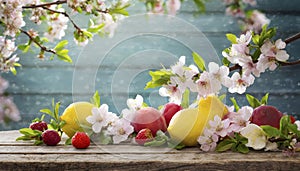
(75,115)
(188,124)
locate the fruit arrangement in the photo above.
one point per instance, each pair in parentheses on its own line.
(206,123)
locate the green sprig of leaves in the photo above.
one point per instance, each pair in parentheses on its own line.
(254,102)
(236,144)
(284,135)
(29,134)
(159,78)
(161,139)
(55,123)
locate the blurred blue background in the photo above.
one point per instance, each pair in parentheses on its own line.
(118,67)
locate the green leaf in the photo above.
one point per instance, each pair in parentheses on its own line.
(232,38)
(56,111)
(185,99)
(61,45)
(264,100)
(284,122)
(68,141)
(222,97)
(200,5)
(24,47)
(224,145)
(156,143)
(104,139)
(235,104)
(255,39)
(13,70)
(95,29)
(38,142)
(96,99)
(64,57)
(47,111)
(242,148)
(225,62)
(270,131)
(159,78)
(24,138)
(199,61)
(253,102)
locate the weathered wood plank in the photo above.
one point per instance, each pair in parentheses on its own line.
(15,156)
(180,161)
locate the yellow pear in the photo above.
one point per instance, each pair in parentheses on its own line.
(75,116)
(188,124)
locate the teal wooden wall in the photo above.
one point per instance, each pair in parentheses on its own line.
(118,67)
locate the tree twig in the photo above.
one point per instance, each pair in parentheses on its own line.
(66,15)
(292,38)
(45,4)
(43,48)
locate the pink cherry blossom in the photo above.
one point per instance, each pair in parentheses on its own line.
(207,85)
(240,82)
(133,106)
(220,73)
(208,140)
(120,130)
(271,53)
(240,119)
(256,21)
(57,26)
(220,127)
(173,6)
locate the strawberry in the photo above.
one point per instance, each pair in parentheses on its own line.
(81,140)
(51,137)
(143,136)
(41,126)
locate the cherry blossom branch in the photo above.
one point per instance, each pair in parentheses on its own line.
(66,15)
(292,38)
(43,48)
(46,4)
(287,41)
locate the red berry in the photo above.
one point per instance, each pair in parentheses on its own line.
(170,110)
(143,136)
(41,126)
(51,137)
(293,120)
(81,140)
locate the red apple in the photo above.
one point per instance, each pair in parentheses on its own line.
(266,115)
(169,111)
(150,118)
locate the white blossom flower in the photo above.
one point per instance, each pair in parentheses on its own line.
(101,118)
(220,73)
(158,7)
(256,21)
(240,119)
(173,6)
(120,130)
(110,24)
(255,135)
(207,85)
(271,146)
(8,110)
(133,106)
(240,82)
(298,125)
(220,127)
(271,53)
(208,140)
(172,91)
(57,26)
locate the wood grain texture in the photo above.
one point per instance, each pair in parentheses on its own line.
(23,156)
(38,82)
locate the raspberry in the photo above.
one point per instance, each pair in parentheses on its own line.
(41,126)
(80,140)
(143,136)
(51,137)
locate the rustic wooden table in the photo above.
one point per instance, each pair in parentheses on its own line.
(25,156)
